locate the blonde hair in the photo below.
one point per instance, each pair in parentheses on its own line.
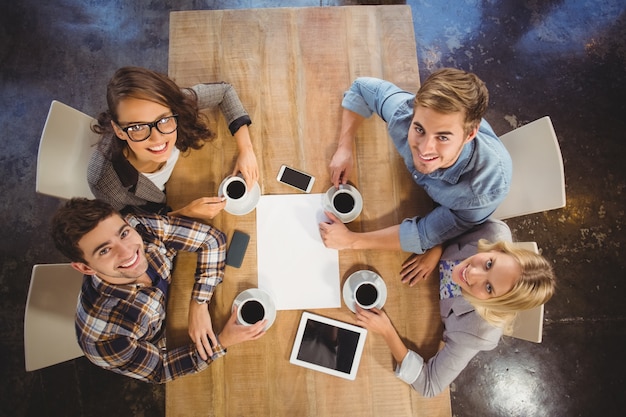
(534,287)
(450,90)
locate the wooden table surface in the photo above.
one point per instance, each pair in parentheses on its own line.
(290,67)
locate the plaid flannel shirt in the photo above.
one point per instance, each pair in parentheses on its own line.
(122,327)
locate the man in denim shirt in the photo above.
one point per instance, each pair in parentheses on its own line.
(448,148)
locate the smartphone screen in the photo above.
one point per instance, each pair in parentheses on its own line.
(295,178)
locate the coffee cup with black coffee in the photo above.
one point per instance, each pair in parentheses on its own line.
(235,188)
(250,311)
(366,295)
(344,202)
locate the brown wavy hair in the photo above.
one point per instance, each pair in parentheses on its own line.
(74,220)
(145,84)
(450,90)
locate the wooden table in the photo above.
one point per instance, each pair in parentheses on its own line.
(290,67)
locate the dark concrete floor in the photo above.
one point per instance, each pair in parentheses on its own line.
(562,58)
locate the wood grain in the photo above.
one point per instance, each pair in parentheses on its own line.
(290,67)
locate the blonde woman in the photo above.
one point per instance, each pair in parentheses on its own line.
(482,288)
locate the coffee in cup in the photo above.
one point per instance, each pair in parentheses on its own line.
(366,295)
(250,312)
(235,188)
(343,201)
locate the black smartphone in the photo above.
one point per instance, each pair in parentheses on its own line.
(294,178)
(237,249)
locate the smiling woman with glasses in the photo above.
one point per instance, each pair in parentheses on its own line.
(149,121)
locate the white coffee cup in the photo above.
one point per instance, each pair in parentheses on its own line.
(366,295)
(251,311)
(344,202)
(234,188)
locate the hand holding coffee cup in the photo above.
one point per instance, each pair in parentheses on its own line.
(344,202)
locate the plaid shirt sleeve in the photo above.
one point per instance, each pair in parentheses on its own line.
(175,234)
(121,328)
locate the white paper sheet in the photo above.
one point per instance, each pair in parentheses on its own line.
(293,263)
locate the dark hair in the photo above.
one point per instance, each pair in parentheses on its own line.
(144,84)
(450,90)
(74,220)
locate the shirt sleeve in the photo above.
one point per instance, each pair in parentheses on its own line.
(471,335)
(209,244)
(224,96)
(176,234)
(410,368)
(419,234)
(146,361)
(372,95)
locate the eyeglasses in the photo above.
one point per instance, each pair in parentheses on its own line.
(142,131)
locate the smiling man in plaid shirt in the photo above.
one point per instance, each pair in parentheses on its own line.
(127,262)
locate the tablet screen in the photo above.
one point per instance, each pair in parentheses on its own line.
(328,346)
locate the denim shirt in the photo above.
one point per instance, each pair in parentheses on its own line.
(466,193)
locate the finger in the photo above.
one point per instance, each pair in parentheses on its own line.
(409,262)
(200,348)
(332,217)
(408,276)
(213,200)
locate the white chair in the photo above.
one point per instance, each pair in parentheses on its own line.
(49,335)
(529,323)
(538,182)
(64,151)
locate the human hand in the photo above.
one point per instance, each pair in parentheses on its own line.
(335,234)
(234,332)
(201,329)
(374,320)
(248,166)
(341,166)
(419,267)
(204,208)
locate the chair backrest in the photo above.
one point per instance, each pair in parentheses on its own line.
(64,151)
(49,335)
(538,182)
(529,323)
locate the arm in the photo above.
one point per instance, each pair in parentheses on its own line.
(365,96)
(204,208)
(336,235)
(246,160)
(342,161)
(179,234)
(440,225)
(431,378)
(225,97)
(377,321)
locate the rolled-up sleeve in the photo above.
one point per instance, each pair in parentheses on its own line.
(419,234)
(410,368)
(372,95)
(224,96)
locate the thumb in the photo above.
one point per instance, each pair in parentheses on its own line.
(332,217)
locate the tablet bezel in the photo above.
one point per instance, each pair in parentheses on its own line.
(362,333)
